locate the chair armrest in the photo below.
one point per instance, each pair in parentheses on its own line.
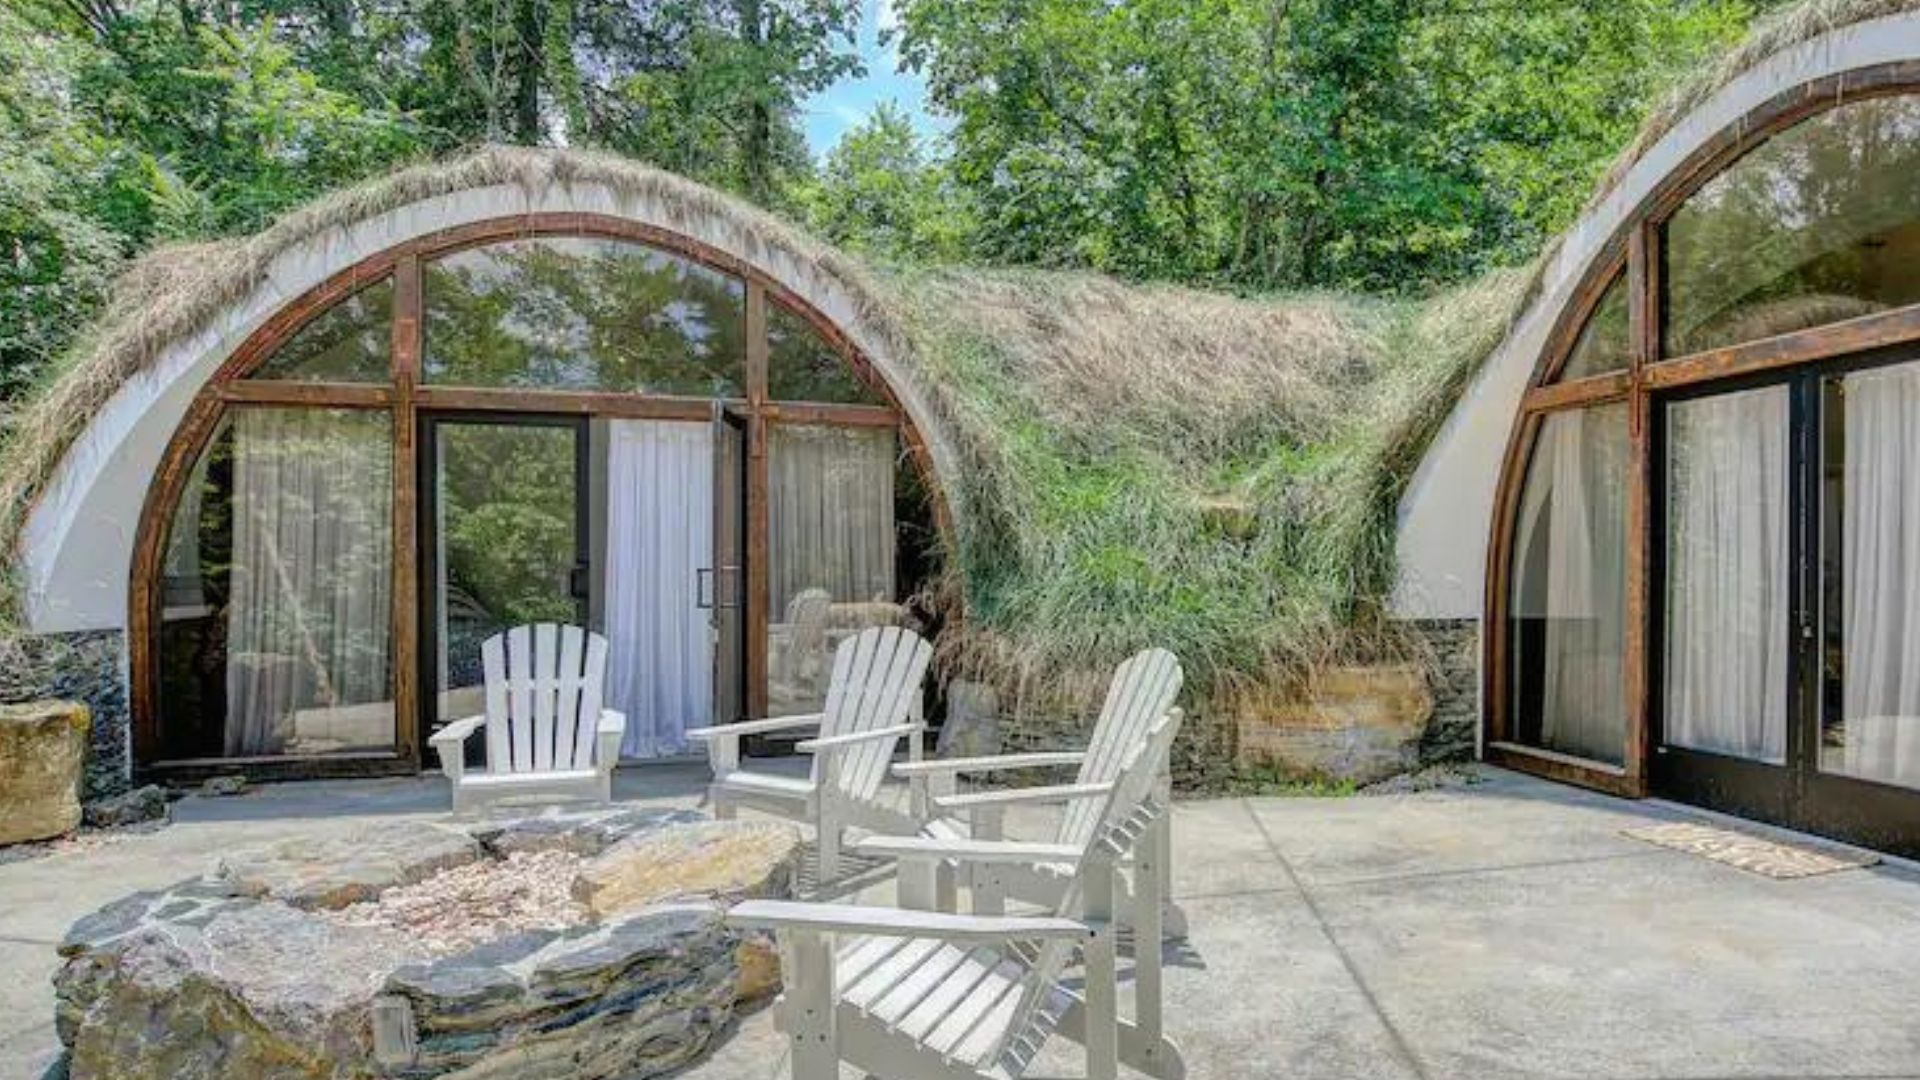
(841,742)
(456,733)
(754,727)
(973,851)
(989,764)
(612,722)
(895,922)
(1016,796)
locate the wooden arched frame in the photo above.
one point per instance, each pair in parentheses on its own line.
(1634,250)
(404,397)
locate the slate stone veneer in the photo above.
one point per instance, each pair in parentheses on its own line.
(87,666)
(1453,676)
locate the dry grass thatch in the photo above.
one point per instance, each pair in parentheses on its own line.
(176,291)
(1163,466)
(1139,464)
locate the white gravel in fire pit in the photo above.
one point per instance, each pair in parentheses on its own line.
(467,906)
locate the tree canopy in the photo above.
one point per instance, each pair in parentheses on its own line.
(1379,145)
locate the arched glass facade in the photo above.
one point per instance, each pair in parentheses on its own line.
(597,424)
(1707,540)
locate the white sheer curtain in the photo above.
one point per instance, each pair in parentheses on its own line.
(1727,574)
(309,623)
(1571,578)
(830,522)
(1879,738)
(659,535)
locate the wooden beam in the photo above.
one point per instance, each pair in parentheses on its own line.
(1567,769)
(306,394)
(870,416)
(596,403)
(406,347)
(1879,330)
(759,581)
(1593,391)
(1643,322)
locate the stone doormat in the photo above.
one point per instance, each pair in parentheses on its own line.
(1749,852)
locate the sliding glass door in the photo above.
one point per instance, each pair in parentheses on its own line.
(1788,658)
(505,535)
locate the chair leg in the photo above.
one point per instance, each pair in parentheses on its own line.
(723,808)
(809,1006)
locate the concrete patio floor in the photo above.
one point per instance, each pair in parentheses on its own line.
(1504,929)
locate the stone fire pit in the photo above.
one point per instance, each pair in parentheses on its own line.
(582,944)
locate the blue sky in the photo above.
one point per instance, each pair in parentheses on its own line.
(828,114)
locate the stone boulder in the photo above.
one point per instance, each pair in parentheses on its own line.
(251,972)
(136,807)
(1358,724)
(196,982)
(723,860)
(43,754)
(972,724)
(345,870)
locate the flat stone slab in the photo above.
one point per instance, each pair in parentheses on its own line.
(350,869)
(725,860)
(252,971)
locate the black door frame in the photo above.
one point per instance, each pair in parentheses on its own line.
(1796,794)
(427,557)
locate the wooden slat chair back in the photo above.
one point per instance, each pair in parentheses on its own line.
(876,685)
(872,703)
(544,684)
(1143,688)
(1118,822)
(546,730)
(921,995)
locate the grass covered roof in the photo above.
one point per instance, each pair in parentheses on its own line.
(1137,464)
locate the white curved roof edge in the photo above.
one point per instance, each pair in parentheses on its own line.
(1446,513)
(77,543)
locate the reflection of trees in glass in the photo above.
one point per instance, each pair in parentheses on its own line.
(1602,345)
(349,342)
(581,313)
(507,506)
(1819,223)
(803,367)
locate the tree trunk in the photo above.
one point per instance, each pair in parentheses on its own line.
(758,143)
(529,34)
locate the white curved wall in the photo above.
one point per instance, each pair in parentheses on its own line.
(77,545)
(1447,511)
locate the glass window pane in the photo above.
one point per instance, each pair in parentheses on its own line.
(831,549)
(1819,223)
(1870,584)
(1602,347)
(1727,574)
(801,366)
(1567,612)
(348,342)
(276,614)
(583,313)
(507,530)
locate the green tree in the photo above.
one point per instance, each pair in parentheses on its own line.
(1379,144)
(880,191)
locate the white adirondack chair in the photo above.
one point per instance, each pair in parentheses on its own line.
(912,994)
(871,704)
(1140,693)
(547,735)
